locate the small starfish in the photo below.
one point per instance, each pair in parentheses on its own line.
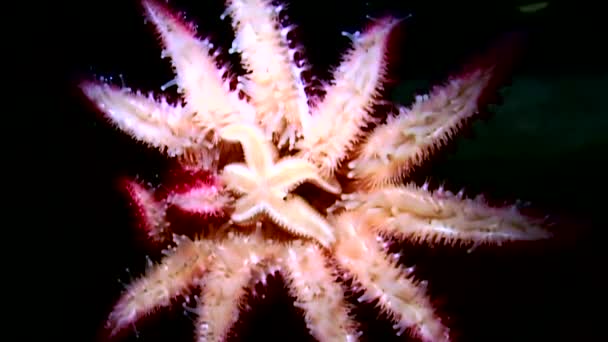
(266,185)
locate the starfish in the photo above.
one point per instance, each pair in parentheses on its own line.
(246,143)
(266,186)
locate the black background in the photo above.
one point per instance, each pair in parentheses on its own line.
(520,292)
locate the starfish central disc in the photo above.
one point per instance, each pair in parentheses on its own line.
(265,184)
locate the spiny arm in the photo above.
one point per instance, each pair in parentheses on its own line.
(314,287)
(202,195)
(338,120)
(155,122)
(239,262)
(274,81)
(150,212)
(198,192)
(413,213)
(397,293)
(407,139)
(205,91)
(163,282)
(218,308)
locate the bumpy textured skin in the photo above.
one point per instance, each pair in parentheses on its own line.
(245,143)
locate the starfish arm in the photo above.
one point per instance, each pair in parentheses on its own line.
(397,293)
(202,200)
(197,76)
(236,261)
(297,216)
(314,287)
(150,212)
(338,120)
(274,80)
(223,289)
(294,215)
(183,264)
(407,139)
(248,208)
(218,308)
(195,191)
(157,123)
(288,173)
(259,153)
(409,212)
(239,178)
